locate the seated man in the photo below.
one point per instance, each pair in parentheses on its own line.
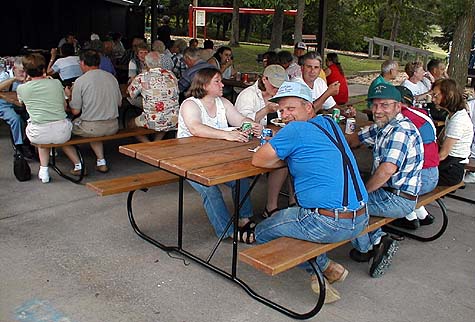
(159,89)
(67,66)
(96,96)
(191,57)
(398,157)
(8,114)
(331,197)
(430,170)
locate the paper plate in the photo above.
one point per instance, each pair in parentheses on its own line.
(277,122)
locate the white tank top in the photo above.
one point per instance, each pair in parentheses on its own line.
(217,122)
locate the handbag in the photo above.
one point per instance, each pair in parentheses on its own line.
(21,168)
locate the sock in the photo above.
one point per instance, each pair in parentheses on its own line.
(412,216)
(100,162)
(43,170)
(421,212)
(77,166)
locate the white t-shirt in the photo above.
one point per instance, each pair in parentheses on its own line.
(471,112)
(319,87)
(250,101)
(460,127)
(417,88)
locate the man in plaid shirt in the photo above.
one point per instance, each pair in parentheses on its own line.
(398,157)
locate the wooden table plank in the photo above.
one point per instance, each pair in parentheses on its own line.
(221,173)
(183,164)
(155,154)
(132,149)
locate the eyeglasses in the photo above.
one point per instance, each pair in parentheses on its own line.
(384,106)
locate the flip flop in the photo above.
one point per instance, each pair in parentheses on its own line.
(246,233)
(268,213)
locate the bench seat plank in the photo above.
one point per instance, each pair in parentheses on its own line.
(123,133)
(284,253)
(131,183)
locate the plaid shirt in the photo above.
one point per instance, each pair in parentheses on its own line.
(399,143)
(179,65)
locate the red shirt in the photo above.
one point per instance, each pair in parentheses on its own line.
(335,75)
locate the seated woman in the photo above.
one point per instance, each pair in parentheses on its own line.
(45,104)
(207,114)
(253,102)
(334,73)
(67,67)
(458,132)
(415,72)
(223,60)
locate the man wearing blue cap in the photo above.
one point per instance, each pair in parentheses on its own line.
(331,195)
(398,157)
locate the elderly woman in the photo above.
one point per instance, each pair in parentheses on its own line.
(137,63)
(45,104)
(415,72)
(207,114)
(253,102)
(458,133)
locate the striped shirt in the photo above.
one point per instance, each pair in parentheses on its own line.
(399,143)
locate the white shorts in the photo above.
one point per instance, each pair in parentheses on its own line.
(52,132)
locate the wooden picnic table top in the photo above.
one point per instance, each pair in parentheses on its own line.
(10,97)
(206,161)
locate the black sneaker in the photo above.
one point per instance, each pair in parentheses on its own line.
(360,257)
(428,220)
(406,224)
(383,254)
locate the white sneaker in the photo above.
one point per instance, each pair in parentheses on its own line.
(469,177)
(44,176)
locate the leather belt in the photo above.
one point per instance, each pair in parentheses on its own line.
(341,214)
(400,193)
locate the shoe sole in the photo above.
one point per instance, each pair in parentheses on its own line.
(383,266)
(331,294)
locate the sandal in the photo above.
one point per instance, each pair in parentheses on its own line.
(268,213)
(246,233)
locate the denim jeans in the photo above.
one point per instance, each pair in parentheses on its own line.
(304,224)
(429,179)
(8,114)
(382,203)
(215,206)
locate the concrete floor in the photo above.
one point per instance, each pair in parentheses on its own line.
(68,255)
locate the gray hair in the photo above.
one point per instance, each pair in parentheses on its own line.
(387,65)
(153,60)
(180,44)
(312,55)
(159,46)
(192,53)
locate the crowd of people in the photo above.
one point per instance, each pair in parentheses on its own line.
(178,87)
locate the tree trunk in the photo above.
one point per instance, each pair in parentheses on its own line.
(299,21)
(461,44)
(277,27)
(234,41)
(395,25)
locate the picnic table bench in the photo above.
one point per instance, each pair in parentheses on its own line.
(470,166)
(394,46)
(284,253)
(77,140)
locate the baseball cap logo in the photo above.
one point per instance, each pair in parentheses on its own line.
(379,89)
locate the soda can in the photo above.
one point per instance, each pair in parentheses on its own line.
(266,133)
(247,126)
(245,77)
(336,115)
(238,76)
(350,126)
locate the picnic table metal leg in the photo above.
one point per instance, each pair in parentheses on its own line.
(440,232)
(61,173)
(453,196)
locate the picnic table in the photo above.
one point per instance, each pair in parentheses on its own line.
(208,162)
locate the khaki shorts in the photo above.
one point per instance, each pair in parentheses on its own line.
(53,132)
(95,128)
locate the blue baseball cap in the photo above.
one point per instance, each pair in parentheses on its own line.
(293,89)
(384,91)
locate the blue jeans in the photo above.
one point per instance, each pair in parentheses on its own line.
(382,203)
(304,224)
(429,179)
(8,114)
(215,206)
